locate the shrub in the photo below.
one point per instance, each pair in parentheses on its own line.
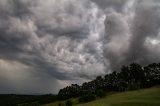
(69,103)
(100,93)
(87,98)
(61,104)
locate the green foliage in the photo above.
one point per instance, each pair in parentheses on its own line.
(87,98)
(100,93)
(131,77)
(69,92)
(59,104)
(143,97)
(68,103)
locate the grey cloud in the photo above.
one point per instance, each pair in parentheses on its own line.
(127,32)
(145,25)
(62,20)
(115,4)
(116,40)
(56,40)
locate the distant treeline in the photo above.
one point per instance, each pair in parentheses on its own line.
(26,100)
(130,77)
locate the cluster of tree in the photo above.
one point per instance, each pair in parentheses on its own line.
(26,100)
(131,77)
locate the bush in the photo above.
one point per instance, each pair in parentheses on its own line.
(87,98)
(69,103)
(61,104)
(100,93)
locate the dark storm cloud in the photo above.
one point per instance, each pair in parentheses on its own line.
(52,41)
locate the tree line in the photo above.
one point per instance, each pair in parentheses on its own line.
(130,77)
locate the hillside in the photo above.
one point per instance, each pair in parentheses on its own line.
(143,97)
(146,97)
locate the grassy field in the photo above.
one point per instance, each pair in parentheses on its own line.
(144,97)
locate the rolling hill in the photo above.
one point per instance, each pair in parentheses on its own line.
(142,97)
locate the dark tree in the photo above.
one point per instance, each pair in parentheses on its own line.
(131,77)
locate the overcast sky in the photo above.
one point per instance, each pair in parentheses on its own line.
(46,45)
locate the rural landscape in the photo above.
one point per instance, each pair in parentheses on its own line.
(79,52)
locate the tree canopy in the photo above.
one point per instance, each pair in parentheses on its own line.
(130,77)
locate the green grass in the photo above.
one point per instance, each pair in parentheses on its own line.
(74,100)
(143,97)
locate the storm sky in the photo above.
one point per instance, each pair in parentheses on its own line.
(46,45)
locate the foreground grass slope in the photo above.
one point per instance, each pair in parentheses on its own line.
(144,97)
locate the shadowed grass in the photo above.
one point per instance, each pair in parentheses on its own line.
(74,101)
(144,97)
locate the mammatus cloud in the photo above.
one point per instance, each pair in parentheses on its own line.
(46,45)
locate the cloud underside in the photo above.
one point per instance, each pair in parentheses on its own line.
(46,45)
